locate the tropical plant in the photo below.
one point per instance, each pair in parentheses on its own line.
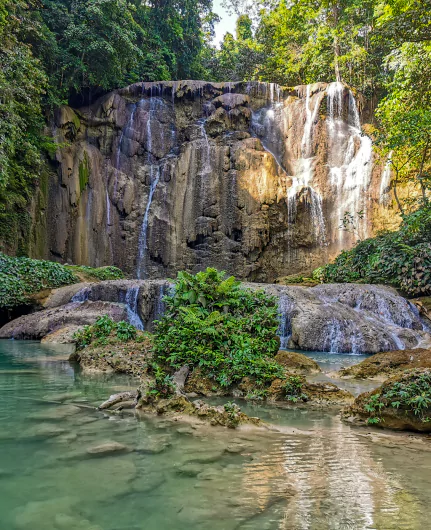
(401,258)
(411,393)
(103,328)
(293,389)
(211,322)
(20,278)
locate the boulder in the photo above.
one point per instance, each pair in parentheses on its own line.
(388,364)
(297,363)
(37,325)
(61,336)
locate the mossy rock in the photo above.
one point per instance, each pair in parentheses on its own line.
(296,362)
(388,364)
(200,384)
(386,407)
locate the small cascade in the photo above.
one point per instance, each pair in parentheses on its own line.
(160,307)
(206,150)
(143,236)
(125,132)
(350,157)
(82,296)
(285,307)
(131,301)
(386,181)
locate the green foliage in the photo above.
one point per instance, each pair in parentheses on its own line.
(22,86)
(100,273)
(401,258)
(232,410)
(412,393)
(213,323)
(162,386)
(293,389)
(22,277)
(103,328)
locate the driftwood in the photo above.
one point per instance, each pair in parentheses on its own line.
(118,398)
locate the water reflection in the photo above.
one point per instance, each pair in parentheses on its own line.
(313,472)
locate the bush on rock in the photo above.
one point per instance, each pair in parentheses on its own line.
(401,258)
(229,332)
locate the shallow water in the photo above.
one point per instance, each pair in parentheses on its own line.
(313,473)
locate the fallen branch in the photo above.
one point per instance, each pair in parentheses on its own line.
(117,398)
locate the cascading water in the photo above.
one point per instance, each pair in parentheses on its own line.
(154,180)
(82,296)
(285,307)
(131,301)
(386,181)
(304,173)
(349,159)
(143,243)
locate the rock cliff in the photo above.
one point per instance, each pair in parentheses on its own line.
(251,178)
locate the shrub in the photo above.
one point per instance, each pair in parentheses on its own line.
(293,389)
(103,328)
(101,273)
(212,323)
(411,392)
(401,258)
(20,278)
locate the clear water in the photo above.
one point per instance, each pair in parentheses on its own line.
(313,472)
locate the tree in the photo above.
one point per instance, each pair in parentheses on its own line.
(22,85)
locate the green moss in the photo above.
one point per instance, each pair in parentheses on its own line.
(84,173)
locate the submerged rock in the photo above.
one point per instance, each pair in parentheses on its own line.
(387,364)
(229,415)
(107,449)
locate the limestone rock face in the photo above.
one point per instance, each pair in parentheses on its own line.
(249,177)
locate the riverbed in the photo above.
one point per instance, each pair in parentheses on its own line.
(64,465)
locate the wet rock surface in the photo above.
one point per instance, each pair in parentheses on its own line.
(297,363)
(37,325)
(334,317)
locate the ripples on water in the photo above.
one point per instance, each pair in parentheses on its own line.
(316,473)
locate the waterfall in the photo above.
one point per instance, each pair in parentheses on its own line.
(206,151)
(305,171)
(349,156)
(131,301)
(124,132)
(82,296)
(154,180)
(143,236)
(285,307)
